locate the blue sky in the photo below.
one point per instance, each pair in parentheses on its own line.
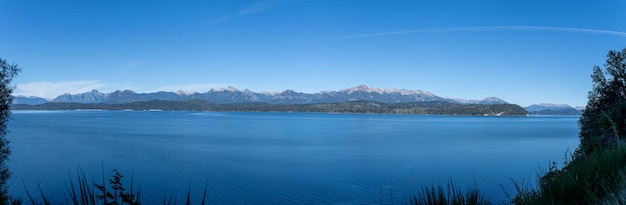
(525,52)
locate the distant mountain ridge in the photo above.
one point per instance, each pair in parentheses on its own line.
(233,95)
(31,100)
(552,109)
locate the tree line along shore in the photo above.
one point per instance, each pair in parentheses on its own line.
(425,107)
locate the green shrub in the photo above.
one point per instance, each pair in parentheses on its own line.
(587,179)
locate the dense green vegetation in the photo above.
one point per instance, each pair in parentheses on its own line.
(587,179)
(596,173)
(427,107)
(7,73)
(604,118)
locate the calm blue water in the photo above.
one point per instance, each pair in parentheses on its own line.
(282,158)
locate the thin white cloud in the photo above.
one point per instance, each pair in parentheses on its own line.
(257,7)
(479,29)
(252,9)
(50,89)
(199,87)
(132,64)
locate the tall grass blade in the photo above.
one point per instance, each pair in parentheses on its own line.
(32,201)
(92,195)
(188,195)
(72,190)
(43,196)
(138,195)
(132,180)
(104,187)
(84,188)
(206,186)
(450,195)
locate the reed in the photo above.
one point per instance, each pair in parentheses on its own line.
(437,195)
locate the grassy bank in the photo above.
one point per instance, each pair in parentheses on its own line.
(597,178)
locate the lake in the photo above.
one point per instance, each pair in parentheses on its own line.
(282,158)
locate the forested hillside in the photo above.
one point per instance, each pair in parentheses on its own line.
(430,107)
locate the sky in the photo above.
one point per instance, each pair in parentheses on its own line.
(525,52)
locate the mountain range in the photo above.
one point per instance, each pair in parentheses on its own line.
(233,95)
(553,109)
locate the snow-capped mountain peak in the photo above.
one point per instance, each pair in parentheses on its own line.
(182,92)
(231,94)
(368,89)
(271,92)
(362,88)
(553,105)
(488,100)
(229,89)
(493,100)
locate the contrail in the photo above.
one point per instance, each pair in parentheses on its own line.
(478,29)
(252,9)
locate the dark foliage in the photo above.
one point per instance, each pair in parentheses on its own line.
(115,193)
(603,119)
(437,195)
(587,179)
(118,196)
(7,73)
(596,172)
